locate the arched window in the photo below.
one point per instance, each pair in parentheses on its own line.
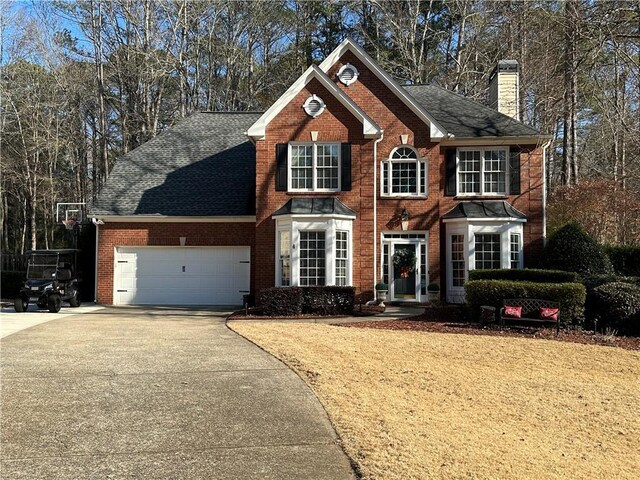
(404,173)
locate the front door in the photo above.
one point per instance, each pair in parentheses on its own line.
(404,281)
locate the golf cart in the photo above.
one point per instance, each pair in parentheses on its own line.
(51,279)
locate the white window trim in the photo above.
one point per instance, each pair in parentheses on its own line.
(482,151)
(329,224)
(314,167)
(468,228)
(422,174)
(308,101)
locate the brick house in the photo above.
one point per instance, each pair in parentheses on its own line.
(346,169)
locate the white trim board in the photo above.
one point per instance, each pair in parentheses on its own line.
(169,219)
(257,131)
(437,131)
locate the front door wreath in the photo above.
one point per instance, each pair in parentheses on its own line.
(405,260)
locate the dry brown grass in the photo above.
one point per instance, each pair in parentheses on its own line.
(428,405)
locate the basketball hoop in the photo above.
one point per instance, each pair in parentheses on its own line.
(69,224)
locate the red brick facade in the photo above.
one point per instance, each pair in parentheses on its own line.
(337,124)
(395,118)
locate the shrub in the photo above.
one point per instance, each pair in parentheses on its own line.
(625,259)
(617,305)
(11,284)
(328,300)
(572,250)
(281,301)
(525,275)
(321,300)
(594,281)
(570,296)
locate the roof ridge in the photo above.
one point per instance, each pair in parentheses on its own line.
(254,112)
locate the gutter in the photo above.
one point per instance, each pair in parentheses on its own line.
(375,212)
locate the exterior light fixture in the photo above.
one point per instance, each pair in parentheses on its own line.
(404,219)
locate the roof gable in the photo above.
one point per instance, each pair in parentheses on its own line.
(437,130)
(369,128)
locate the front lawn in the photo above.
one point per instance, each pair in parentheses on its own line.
(417,405)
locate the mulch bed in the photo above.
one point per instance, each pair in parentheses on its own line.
(420,324)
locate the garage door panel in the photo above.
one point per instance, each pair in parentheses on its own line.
(181,275)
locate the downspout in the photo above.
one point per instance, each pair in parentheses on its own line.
(375,212)
(97,223)
(544,191)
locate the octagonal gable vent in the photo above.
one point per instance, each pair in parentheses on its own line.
(348,74)
(314,106)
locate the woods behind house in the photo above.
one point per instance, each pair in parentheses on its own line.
(84,82)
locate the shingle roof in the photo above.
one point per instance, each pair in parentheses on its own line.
(202,166)
(487,209)
(465,117)
(314,206)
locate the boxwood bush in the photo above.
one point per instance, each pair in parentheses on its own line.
(321,300)
(11,284)
(570,296)
(525,275)
(617,305)
(625,259)
(571,249)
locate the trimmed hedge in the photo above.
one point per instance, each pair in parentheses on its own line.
(291,301)
(525,275)
(617,305)
(570,296)
(594,281)
(625,259)
(11,284)
(571,249)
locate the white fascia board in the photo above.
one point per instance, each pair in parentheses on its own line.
(495,141)
(485,220)
(314,216)
(169,219)
(257,131)
(437,131)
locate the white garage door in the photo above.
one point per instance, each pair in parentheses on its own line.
(181,275)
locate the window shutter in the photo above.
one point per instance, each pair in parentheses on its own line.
(450,172)
(345,155)
(514,171)
(282,151)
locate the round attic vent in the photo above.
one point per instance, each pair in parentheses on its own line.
(314,106)
(348,74)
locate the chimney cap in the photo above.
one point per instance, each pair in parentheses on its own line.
(504,66)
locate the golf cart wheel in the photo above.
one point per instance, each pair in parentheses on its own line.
(54,303)
(75,300)
(21,304)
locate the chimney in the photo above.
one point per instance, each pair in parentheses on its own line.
(504,88)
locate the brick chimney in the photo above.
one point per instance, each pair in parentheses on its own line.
(504,88)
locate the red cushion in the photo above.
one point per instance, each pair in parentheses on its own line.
(512,312)
(549,313)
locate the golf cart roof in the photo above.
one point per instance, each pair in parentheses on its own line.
(59,251)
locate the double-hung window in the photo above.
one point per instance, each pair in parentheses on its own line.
(482,171)
(404,174)
(314,167)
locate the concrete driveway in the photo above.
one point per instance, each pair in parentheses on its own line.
(156,393)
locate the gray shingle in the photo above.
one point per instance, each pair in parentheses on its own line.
(314,206)
(202,166)
(486,209)
(465,117)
